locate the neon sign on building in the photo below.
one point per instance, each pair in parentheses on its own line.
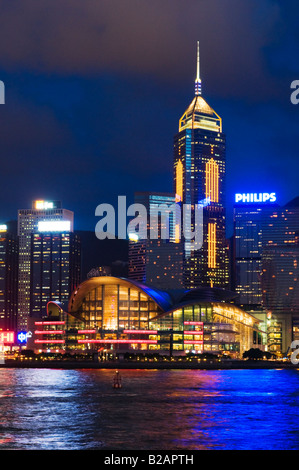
(255,198)
(7,337)
(42,205)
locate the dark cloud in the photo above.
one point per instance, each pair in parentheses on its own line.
(140,37)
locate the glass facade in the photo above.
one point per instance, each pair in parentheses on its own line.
(55,269)
(207,327)
(157,260)
(248,254)
(280,264)
(113,307)
(28,220)
(199,175)
(266,255)
(120,315)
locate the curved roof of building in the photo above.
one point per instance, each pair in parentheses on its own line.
(166,300)
(163,299)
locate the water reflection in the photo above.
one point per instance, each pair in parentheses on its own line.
(155,410)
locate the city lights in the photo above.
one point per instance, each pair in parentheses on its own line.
(54,226)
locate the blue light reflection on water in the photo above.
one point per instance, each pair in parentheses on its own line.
(155,409)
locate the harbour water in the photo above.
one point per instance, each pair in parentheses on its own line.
(56,409)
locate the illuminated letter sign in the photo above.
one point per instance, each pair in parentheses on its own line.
(44,205)
(255,198)
(22,337)
(7,337)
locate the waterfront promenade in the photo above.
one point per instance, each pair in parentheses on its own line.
(175,364)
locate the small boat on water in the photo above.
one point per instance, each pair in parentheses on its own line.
(117,380)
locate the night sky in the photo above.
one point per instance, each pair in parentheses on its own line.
(95,90)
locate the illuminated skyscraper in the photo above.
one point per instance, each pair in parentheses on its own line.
(266,260)
(248,254)
(157,262)
(55,265)
(249,221)
(28,220)
(199,174)
(280,275)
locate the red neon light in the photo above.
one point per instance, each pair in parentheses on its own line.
(193,332)
(119,341)
(193,323)
(140,332)
(56,341)
(193,341)
(7,337)
(49,332)
(82,332)
(49,323)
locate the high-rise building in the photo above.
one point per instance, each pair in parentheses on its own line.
(8,278)
(199,175)
(55,266)
(250,236)
(28,220)
(266,255)
(247,250)
(280,275)
(157,259)
(248,254)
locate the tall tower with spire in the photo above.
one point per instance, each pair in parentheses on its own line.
(199,174)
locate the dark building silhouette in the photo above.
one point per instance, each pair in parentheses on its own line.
(107,252)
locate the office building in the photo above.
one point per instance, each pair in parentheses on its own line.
(249,218)
(8,278)
(55,266)
(156,259)
(114,315)
(28,220)
(250,212)
(199,178)
(280,275)
(266,251)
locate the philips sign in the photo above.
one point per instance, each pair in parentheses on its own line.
(255,198)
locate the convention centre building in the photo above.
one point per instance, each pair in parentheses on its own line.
(119,315)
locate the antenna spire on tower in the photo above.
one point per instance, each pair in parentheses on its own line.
(198,79)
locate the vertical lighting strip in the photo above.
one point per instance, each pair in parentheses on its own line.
(179,180)
(212,180)
(212,245)
(179,197)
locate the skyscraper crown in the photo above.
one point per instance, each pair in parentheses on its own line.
(199,114)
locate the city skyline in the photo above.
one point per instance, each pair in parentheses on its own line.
(149,227)
(82,123)
(201,151)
